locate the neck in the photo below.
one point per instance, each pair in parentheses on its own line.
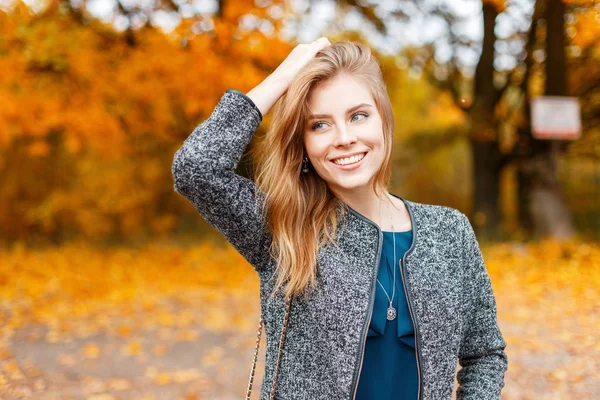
(368,204)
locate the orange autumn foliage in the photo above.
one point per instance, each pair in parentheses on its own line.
(141,304)
(89,123)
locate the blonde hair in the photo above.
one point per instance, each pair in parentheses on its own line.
(301,211)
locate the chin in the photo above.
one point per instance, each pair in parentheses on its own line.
(350,183)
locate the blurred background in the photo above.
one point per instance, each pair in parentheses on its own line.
(113,287)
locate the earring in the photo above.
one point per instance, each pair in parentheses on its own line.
(305,167)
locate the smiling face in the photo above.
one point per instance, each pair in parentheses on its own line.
(344,122)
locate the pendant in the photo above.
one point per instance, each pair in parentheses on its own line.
(391,313)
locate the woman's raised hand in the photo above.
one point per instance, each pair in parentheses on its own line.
(275,85)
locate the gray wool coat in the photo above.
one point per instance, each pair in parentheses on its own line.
(448,288)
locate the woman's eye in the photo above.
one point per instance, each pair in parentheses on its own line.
(360,113)
(315,126)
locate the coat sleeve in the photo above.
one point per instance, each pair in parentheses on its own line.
(481,353)
(203,172)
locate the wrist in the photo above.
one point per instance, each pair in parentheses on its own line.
(275,84)
(266,93)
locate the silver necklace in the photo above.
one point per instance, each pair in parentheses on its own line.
(391,311)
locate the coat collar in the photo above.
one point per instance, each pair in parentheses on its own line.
(411,212)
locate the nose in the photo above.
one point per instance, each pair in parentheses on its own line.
(344,136)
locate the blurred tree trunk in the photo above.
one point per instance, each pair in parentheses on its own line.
(543,210)
(487,158)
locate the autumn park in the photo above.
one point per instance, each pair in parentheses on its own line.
(113,287)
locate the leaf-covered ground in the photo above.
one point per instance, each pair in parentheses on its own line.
(168,322)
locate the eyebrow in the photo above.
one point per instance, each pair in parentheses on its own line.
(317,116)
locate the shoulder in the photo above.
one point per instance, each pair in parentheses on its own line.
(444,217)
(442,225)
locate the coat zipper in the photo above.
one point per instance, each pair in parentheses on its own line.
(409,300)
(402,266)
(371,301)
(372,297)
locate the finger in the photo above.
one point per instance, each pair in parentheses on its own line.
(321,40)
(320,44)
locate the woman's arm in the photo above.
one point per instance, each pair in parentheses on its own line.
(203,168)
(276,84)
(481,353)
(203,172)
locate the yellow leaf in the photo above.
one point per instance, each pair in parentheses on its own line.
(91,350)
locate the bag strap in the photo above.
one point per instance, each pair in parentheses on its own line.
(281,341)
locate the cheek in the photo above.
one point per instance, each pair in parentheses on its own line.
(378,136)
(373,137)
(315,147)
(310,142)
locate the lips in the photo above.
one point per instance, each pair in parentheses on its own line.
(348,155)
(349,167)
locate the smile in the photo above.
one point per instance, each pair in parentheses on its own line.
(351,165)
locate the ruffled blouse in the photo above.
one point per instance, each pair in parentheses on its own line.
(389,368)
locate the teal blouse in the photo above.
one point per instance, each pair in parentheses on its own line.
(389,369)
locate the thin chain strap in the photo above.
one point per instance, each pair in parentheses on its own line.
(281,341)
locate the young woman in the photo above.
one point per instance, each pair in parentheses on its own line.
(364,294)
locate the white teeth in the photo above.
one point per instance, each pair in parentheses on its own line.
(349,160)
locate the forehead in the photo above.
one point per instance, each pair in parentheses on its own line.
(338,94)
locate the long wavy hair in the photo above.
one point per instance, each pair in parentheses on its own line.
(301,211)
